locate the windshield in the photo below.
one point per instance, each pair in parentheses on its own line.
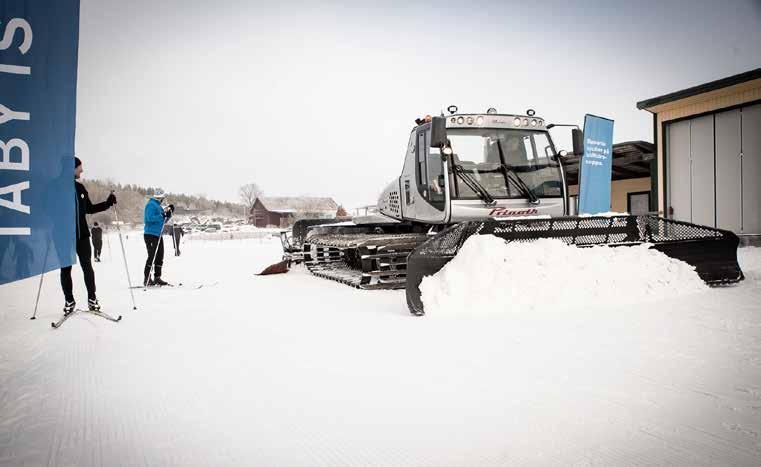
(489,155)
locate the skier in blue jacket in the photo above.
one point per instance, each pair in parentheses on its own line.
(154,218)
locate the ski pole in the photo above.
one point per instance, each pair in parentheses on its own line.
(36,302)
(42,276)
(124,256)
(108,242)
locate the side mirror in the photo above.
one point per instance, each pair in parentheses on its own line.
(562,154)
(438,132)
(578,141)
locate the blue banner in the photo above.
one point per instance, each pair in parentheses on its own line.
(596,165)
(38,82)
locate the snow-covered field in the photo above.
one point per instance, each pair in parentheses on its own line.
(295,370)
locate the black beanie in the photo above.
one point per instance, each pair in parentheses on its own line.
(77,162)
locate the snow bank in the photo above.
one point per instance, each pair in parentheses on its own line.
(490,275)
(750,262)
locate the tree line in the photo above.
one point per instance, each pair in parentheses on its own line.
(132,199)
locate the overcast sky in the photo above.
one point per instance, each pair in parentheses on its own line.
(318,98)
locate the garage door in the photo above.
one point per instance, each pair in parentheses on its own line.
(751,169)
(714,169)
(691,174)
(728,171)
(702,184)
(679,163)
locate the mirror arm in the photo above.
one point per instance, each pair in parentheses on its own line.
(553,125)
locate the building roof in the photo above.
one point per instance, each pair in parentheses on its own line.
(631,159)
(286,204)
(700,89)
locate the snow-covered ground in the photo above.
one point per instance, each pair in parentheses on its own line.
(295,370)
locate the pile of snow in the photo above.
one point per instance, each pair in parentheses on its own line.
(490,275)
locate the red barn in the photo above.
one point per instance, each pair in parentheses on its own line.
(281,211)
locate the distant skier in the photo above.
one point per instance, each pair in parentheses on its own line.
(97,241)
(84,252)
(154,218)
(177,234)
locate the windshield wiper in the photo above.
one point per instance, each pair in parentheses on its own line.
(473,184)
(513,176)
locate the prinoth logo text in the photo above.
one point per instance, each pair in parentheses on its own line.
(505,212)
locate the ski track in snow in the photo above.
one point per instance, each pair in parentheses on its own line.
(295,370)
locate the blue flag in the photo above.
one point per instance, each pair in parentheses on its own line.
(38,82)
(596,165)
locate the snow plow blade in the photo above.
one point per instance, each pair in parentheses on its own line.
(713,252)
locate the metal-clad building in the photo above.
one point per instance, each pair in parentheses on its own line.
(708,141)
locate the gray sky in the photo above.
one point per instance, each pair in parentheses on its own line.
(318,98)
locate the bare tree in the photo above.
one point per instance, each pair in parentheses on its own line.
(248,194)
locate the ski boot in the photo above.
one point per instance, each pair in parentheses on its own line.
(93,305)
(68,307)
(158,281)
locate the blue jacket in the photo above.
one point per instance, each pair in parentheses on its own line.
(153,218)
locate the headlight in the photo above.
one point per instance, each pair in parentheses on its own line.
(480,121)
(525,122)
(533,122)
(470,120)
(460,120)
(517,121)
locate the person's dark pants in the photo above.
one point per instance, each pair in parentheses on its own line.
(97,246)
(151,243)
(83,252)
(176,245)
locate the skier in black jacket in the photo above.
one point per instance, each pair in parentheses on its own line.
(97,241)
(83,207)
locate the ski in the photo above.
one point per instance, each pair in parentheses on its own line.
(58,323)
(153,286)
(179,285)
(103,315)
(199,286)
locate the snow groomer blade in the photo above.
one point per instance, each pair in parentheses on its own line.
(713,252)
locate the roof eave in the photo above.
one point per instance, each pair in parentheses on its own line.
(700,89)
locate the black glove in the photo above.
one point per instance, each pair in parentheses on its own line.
(171,207)
(111,200)
(167,214)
